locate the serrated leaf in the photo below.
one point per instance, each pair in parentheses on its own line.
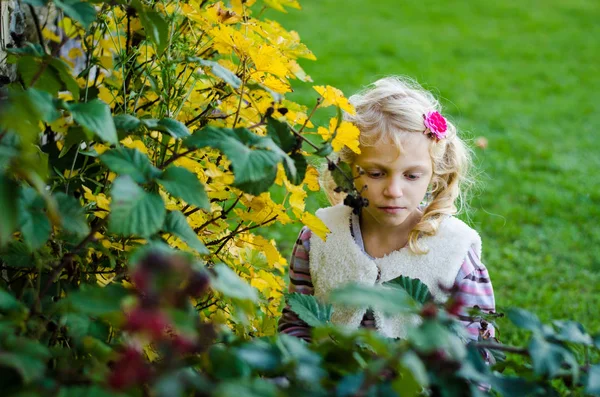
(231,285)
(311,311)
(174,127)
(220,71)
(133,211)
(281,134)
(132,162)
(156,28)
(415,288)
(182,183)
(94,300)
(75,135)
(96,117)
(253,158)
(33,221)
(301,166)
(342,176)
(81,11)
(72,215)
(9,194)
(176,223)
(386,299)
(17,254)
(126,122)
(43,104)
(65,74)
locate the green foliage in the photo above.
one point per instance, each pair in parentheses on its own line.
(312,312)
(414,287)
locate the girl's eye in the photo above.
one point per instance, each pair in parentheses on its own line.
(375,174)
(412,177)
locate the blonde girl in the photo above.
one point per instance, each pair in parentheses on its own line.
(413,169)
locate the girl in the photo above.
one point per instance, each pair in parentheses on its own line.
(412,168)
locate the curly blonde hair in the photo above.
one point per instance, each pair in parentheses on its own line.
(392,108)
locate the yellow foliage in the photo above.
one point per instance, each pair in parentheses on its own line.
(347,135)
(315,224)
(334,97)
(311,179)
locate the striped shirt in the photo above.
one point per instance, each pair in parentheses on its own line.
(474,288)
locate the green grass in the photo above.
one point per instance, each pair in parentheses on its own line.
(525,75)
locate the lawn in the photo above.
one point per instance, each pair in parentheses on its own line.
(524,75)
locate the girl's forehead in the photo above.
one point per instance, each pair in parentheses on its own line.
(411,148)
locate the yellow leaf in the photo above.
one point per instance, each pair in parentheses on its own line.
(134,144)
(347,135)
(50,35)
(75,52)
(311,179)
(334,97)
(268,248)
(315,225)
(280,4)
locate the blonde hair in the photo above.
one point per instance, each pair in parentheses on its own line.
(392,108)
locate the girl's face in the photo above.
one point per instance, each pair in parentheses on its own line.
(396,182)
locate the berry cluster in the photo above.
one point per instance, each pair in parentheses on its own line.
(164,283)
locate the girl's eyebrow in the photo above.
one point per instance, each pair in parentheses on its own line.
(372,163)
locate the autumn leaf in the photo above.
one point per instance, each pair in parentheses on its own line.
(334,97)
(315,225)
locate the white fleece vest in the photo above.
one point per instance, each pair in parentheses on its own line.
(339,260)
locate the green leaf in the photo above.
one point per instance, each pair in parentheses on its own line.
(81,11)
(281,134)
(96,117)
(30,368)
(184,184)
(17,254)
(309,310)
(75,135)
(33,221)
(36,73)
(133,211)
(301,166)
(342,176)
(253,158)
(220,71)
(324,150)
(260,355)
(8,302)
(132,162)
(415,288)
(524,319)
(571,331)
(156,28)
(592,385)
(174,127)
(65,75)
(9,193)
(43,104)
(36,3)
(548,358)
(432,336)
(78,325)
(94,300)
(229,284)
(72,215)
(390,300)
(176,223)
(126,122)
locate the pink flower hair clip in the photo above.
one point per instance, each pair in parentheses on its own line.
(435,125)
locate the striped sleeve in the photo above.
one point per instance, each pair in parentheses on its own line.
(300,282)
(475,289)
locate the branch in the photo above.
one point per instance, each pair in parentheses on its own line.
(235,232)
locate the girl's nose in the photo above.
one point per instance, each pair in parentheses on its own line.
(393,188)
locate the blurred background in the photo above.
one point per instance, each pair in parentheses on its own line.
(521,80)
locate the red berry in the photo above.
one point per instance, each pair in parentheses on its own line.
(153,322)
(130,369)
(429,310)
(198,284)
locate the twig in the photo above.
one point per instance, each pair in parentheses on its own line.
(319,100)
(176,157)
(236,232)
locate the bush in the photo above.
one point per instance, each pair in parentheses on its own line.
(135,168)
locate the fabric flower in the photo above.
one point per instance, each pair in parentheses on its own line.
(436,124)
